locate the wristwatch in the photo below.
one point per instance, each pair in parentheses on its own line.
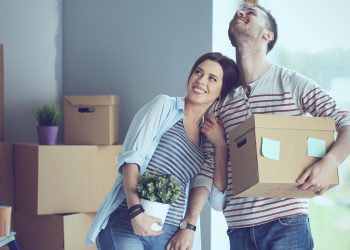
(185,225)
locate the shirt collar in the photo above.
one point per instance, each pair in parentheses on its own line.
(180,103)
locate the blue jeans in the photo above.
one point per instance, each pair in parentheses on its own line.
(119,235)
(290,233)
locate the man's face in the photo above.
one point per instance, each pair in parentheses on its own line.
(247,22)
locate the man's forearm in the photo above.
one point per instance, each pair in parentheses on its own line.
(197,199)
(341,147)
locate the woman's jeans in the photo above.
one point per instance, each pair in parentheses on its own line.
(119,235)
(291,233)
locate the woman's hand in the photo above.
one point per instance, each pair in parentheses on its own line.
(141,225)
(214,131)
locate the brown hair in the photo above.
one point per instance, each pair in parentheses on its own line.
(229,68)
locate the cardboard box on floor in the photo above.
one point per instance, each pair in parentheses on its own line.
(63,179)
(91,120)
(269,152)
(1,92)
(6,174)
(53,232)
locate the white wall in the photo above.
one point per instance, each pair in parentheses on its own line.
(31,34)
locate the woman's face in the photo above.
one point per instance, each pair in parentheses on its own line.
(205,83)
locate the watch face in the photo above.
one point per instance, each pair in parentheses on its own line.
(183,224)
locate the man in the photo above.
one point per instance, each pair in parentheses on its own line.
(265,223)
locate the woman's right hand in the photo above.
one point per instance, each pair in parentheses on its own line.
(141,225)
(214,131)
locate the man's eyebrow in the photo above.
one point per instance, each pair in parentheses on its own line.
(250,9)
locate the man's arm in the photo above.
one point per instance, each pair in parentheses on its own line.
(317,177)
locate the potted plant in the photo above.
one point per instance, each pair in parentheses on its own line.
(156,193)
(48,117)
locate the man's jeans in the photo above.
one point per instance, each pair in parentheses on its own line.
(119,235)
(291,233)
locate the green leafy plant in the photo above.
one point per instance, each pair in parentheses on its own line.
(48,114)
(160,188)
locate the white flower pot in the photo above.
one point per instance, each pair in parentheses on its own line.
(155,209)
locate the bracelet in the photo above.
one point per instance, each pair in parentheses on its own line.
(135,210)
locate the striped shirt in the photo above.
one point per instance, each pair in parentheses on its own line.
(278,91)
(178,156)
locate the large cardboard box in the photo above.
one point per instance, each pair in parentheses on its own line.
(53,232)
(62,178)
(269,152)
(91,120)
(1,93)
(6,174)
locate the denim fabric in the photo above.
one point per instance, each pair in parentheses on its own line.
(119,235)
(290,233)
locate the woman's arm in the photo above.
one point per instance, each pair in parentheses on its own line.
(142,222)
(216,135)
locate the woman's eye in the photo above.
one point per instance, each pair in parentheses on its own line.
(198,72)
(213,79)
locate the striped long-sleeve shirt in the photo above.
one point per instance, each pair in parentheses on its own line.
(278,91)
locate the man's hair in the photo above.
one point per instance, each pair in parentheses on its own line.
(272,26)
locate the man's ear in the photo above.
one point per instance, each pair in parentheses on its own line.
(268,35)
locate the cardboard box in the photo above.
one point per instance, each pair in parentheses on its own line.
(63,179)
(259,170)
(91,120)
(6,174)
(53,232)
(1,93)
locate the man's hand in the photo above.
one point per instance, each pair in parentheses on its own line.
(182,240)
(317,177)
(141,225)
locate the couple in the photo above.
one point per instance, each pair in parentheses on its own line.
(232,93)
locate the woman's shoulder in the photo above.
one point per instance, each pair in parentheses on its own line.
(165,100)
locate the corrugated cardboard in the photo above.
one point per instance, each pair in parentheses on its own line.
(5,221)
(1,93)
(62,178)
(254,175)
(53,232)
(6,174)
(91,120)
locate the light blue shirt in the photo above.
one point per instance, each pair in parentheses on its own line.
(142,139)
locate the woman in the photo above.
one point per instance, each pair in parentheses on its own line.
(164,123)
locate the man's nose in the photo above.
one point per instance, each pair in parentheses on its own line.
(240,12)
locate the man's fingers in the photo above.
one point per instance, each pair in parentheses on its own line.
(302,178)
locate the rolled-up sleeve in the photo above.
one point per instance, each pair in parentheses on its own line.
(142,131)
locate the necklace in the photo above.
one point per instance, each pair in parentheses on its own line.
(193,134)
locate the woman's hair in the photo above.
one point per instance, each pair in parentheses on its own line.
(229,68)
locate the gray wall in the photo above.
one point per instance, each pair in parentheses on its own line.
(31,34)
(135,49)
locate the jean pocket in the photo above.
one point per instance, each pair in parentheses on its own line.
(294,220)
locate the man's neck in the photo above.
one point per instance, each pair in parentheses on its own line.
(252,63)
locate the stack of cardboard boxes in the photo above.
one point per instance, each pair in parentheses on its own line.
(59,188)
(56,190)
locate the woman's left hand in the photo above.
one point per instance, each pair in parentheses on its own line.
(214,131)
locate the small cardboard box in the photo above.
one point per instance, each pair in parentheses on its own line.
(6,174)
(1,93)
(63,179)
(53,232)
(91,120)
(269,152)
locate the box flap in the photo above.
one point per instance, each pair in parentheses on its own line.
(101,100)
(294,122)
(284,122)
